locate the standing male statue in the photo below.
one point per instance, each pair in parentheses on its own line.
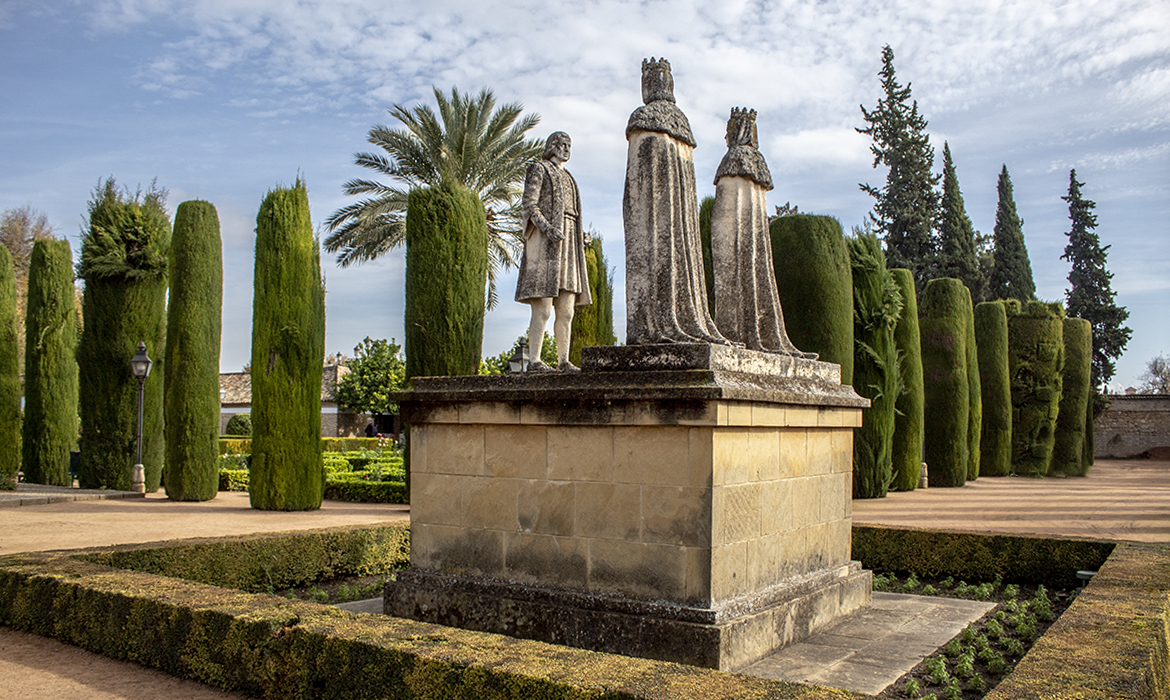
(553,275)
(666,292)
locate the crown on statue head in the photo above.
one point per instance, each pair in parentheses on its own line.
(741,128)
(657,82)
(650,64)
(738,113)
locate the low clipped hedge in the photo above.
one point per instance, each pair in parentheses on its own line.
(363,491)
(233,445)
(233,479)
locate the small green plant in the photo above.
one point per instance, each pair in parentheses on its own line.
(977,683)
(911,688)
(996,664)
(929,590)
(994,628)
(962,589)
(1013,646)
(981,642)
(317,595)
(965,667)
(1011,591)
(947,582)
(968,634)
(953,648)
(881,582)
(937,668)
(912,582)
(953,690)
(983,591)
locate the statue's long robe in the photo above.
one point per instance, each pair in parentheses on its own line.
(747,306)
(666,293)
(549,267)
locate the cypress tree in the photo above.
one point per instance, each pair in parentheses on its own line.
(991,336)
(593,324)
(1068,452)
(446,270)
(124,264)
(877,305)
(706,209)
(974,395)
(945,384)
(192,354)
(957,250)
(815,282)
(1090,295)
(288,356)
(1035,361)
(9,374)
(1089,454)
(50,366)
(908,419)
(906,208)
(1011,274)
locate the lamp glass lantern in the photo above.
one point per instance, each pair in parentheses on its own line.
(140,367)
(519,361)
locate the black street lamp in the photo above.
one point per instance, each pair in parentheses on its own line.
(140,367)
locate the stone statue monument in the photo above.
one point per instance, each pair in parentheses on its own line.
(666,295)
(747,307)
(553,275)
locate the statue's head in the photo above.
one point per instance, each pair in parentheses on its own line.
(741,128)
(657,82)
(557,144)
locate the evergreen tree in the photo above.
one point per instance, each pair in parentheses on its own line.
(288,353)
(124,264)
(906,208)
(974,395)
(192,354)
(908,421)
(1091,295)
(1035,364)
(19,230)
(593,324)
(991,337)
(706,209)
(375,370)
(1011,274)
(958,257)
(50,365)
(9,375)
(946,386)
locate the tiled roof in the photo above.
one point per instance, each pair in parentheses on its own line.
(236,387)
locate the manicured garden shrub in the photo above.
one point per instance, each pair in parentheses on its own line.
(1068,452)
(877,305)
(1035,361)
(593,324)
(192,357)
(991,335)
(947,406)
(239,424)
(974,395)
(364,491)
(50,366)
(124,264)
(9,375)
(288,349)
(446,274)
(815,283)
(908,418)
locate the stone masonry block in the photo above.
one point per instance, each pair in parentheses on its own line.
(729,571)
(731,448)
(698,590)
(465,551)
(485,412)
(580,453)
(637,569)
(842,450)
(418,449)
(793,453)
(768,416)
(739,414)
(455,449)
(800,417)
(652,455)
(516,451)
(676,515)
(438,499)
(775,507)
(701,455)
(608,511)
(490,502)
(806,507)
(820,452)
(764,454)
(557,561)
(736,514)
(764,562)
(546,507)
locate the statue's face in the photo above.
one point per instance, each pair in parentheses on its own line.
(561,150)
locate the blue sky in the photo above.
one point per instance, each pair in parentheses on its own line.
(224,99)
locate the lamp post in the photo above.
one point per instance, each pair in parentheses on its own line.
(140,366)
(518,362)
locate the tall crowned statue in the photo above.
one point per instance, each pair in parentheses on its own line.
(666,294)
(747,306)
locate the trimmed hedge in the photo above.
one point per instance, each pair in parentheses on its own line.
(943,327)
(706,211)
(1035,360)
(974,395)
(991,336)
(288,342)
(813,278)
(237,446)
(233,479)
(10,392)
(50,366)
(239,425)
(593,324)
(446,274)
(877,304)
(363,491)
(1068,452)
(909,418)
(191,397)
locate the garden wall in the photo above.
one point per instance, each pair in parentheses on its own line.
(1132,425)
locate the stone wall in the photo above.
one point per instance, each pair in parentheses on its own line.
(1132,425)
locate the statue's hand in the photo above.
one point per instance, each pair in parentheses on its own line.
(554,235)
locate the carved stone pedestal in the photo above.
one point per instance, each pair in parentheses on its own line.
(681,502)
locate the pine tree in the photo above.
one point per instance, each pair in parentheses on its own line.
(1091,296)
(957,255)
(1011,275)
(191,383)
(906,208)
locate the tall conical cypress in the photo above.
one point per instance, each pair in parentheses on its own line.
(877,304)
(50,365)
(593,324)
(706,209)
(192,354)
(957,254)
(288,354)
(815,283)
(945,384)
(991,336)
(974,395)
(9,375)
(908,420)
(1068,452)
(446,271)
(1035,361)
(124,264)
(1011,275)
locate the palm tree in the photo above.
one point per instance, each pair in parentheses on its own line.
(469,143)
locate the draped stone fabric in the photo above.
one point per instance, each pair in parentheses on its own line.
(747,306)
(665,287)
(552,202)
